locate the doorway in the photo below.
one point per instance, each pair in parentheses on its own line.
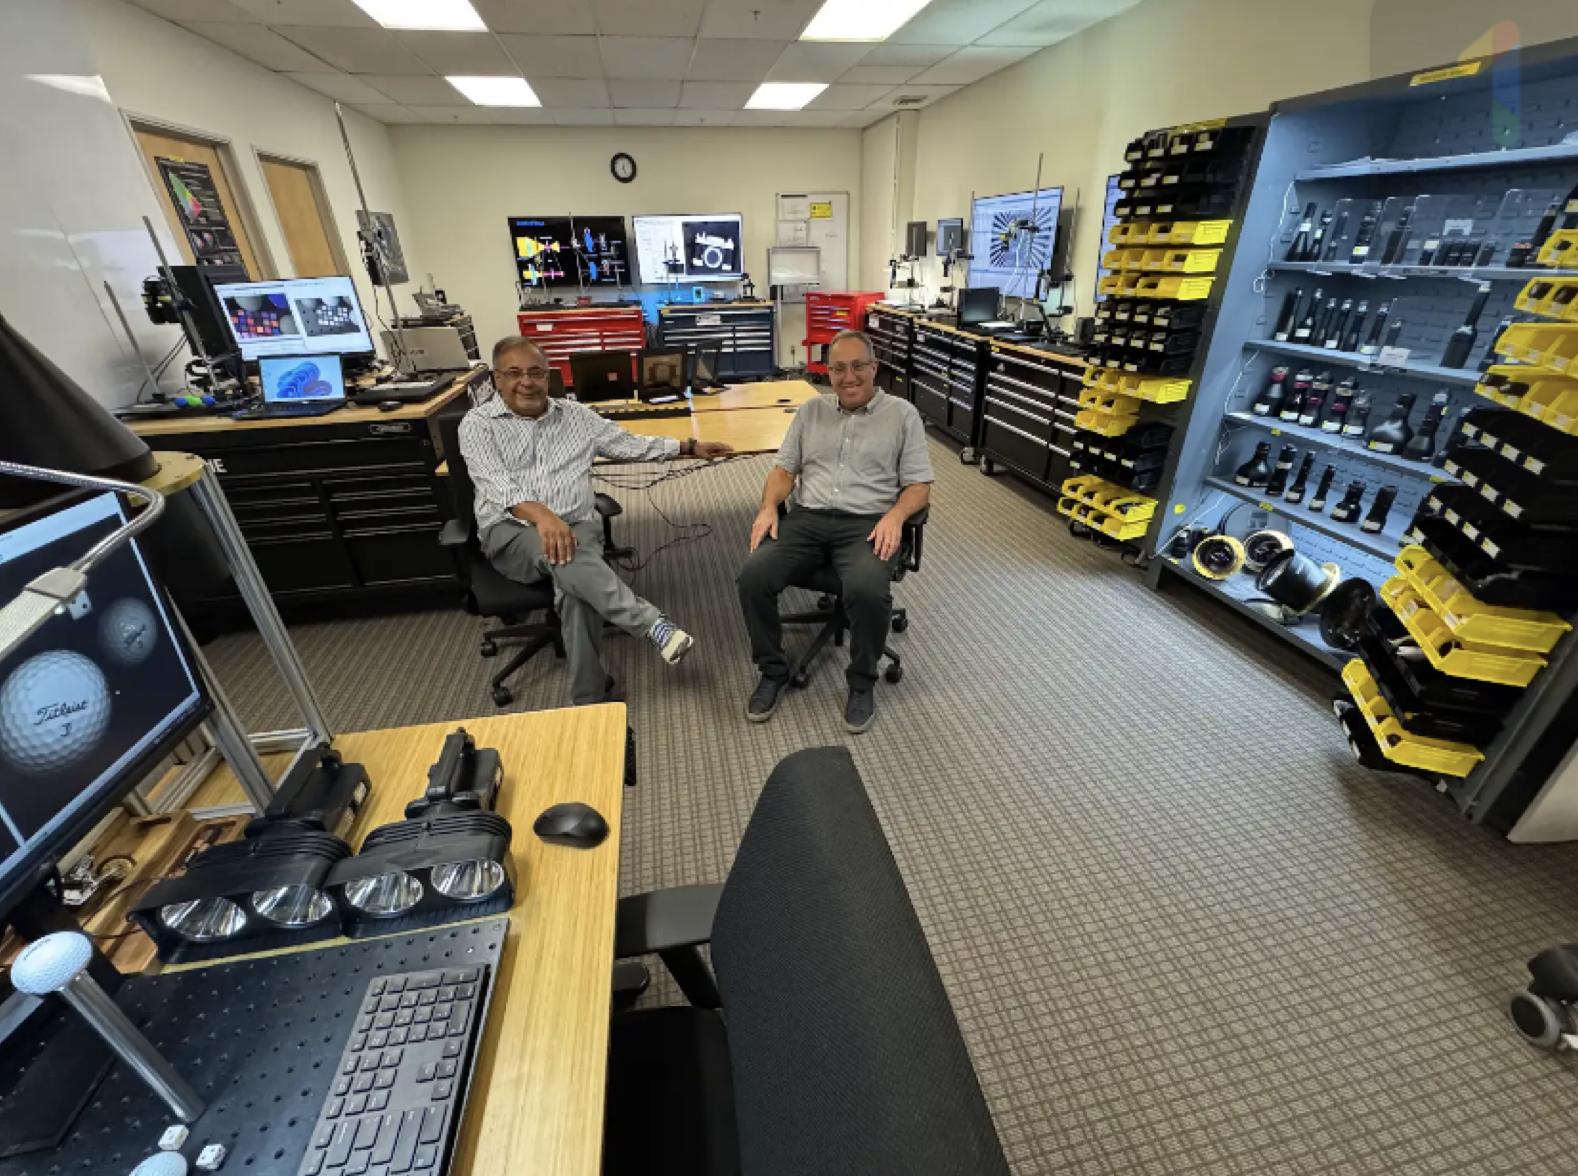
(193,180)
(305,220)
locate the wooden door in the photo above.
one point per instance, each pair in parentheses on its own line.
(297,192)
(156,143)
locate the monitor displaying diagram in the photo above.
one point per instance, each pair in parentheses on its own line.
(1008,254)
(554,252)
(302,316)
(705,247)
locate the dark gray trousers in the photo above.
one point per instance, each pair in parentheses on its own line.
(807,539)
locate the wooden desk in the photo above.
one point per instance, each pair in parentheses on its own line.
(537,1103)
(781,394)
(354,414)
(751,430)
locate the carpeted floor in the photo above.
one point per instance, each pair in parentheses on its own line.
(1182,931)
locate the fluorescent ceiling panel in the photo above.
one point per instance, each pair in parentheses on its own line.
(860,20)
(447,15)
(496,91)
(784,95)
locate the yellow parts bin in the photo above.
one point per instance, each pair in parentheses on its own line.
(1106,413)
(1180,289)
(1468,619)
(1535,392)
(1561,250)
(1461,659)
(1553,298)
(1163,261)
(1155,389)
(1126,233)
(1540,344)
(1397,745)
(1111,509)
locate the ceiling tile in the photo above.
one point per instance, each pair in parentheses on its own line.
(565,93)
(190,10)
(644,118)
(917,55)
(583,118)
(789,118)
(734,61)
(549,17)
(970,64)
(332,13)
(716,95)
(816,61)
(649,95)
(928,94)
(410,91)
(840,96)
(256,43)
(881,75)
(373,51)
(459,54)
(648,18)
(646,57)
(863,118)
(1052,21)
(704,118)
(765,20)
(957,22)
(340,87)
(392,114)
(554,56)
(484,115)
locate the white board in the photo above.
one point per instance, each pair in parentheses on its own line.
(792,266)
(826,217)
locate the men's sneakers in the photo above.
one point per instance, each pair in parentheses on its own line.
(860,711)
(673,642)
(764,700)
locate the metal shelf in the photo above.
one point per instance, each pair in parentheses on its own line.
(1325,440)
(1554,154)
(1466,273)
(1463,377)
(1305,635)
(1383,546)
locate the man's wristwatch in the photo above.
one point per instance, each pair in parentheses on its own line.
(687,447)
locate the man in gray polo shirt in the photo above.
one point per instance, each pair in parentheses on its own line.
(854,469)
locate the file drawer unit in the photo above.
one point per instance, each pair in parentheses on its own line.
(947,367)
(890,333)
(747,330)
(567,331)
(1027,423)
(826,314)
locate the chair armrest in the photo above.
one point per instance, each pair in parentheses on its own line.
(608,507)
(662,920)
(914,539)
(455,533)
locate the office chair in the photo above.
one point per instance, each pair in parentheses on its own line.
(825,1042)
(829,612)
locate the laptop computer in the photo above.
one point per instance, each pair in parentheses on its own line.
(298,386)
(428,349)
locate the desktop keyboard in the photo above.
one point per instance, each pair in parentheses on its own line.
(647,411)
(274,412)
(394,1106)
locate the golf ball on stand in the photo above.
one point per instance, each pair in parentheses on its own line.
(53,711)
(128,632)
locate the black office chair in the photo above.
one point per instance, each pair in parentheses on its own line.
(829,612)
(827,1043)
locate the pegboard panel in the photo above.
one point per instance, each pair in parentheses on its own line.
(259,1040)
(1464,124)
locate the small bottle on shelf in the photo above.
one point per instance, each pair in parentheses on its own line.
(1350,336)
(1491,358)
(1375,521)
(1464,338)
(1287,320)
(1334,239)
(1341,404)
(1296,492)
(1372,343)
(1397,243)
(1546,227)
(1256,472)
(1338,328)
(1269,402)
(1323,324)
(1351,506)
(1392,434)
(1301,240)
(1306,327)
(1322,491)
(1422,445)
(1318,241)
(1293,406)
(1358,420)
(1368,224)
(1315,400)
(1282,472)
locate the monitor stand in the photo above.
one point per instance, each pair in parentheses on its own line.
(50,1062)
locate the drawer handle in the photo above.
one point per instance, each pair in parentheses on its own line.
(1019,432)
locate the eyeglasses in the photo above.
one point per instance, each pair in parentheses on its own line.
(860,367)
(516,375)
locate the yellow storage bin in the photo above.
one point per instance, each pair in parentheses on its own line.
(1109,498)
(1104,424)
(1561,250)
(1555,298)
(1190,233)
(1179,289)
(1461,659)
(1091,517)
(1397,744)
(1190,261)
(1155,389)
(1554,401)
(1128,233)
(1541,344)
(1469,620)
(1110,285)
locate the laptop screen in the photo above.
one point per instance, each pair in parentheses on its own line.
(295,379)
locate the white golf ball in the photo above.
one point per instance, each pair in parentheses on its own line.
(53,711)
(128,632)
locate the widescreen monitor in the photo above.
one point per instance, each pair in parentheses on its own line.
(703,247)
(299,316)
(1108,219)
(558,252)
(1007,254)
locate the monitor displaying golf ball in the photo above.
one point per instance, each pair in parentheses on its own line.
(300,316)
(92,700)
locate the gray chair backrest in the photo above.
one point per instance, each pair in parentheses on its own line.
(845,1050)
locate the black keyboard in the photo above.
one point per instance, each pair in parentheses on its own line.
(274,412)
(394,1106)
(647,411)
(405,391)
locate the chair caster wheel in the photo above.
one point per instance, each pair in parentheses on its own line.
(824,604)
(489,649)
(502,696)
(900,624)
(1540,1022)
(967,455)
(988,466)
(801,680)
(894,674)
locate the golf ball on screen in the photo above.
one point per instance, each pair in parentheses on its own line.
(128,632)
(54,709)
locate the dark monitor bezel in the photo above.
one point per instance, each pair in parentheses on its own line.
(967,320)
(609,361)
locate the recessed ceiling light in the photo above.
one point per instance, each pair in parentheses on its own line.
(784,95)
(448,15)
(496,91)
(859,20)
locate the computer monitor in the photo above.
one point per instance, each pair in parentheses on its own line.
(1013,238)
(915,239)
(555,252)
(91,702)
(1108,219)
(703,362)
(299,316)
(978,305)
(950,235)
(701,247)
(662,375)
(602,375)
(301,379)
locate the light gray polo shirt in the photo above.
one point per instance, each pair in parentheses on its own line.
(857,462)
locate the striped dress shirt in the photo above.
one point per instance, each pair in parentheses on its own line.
(547,459)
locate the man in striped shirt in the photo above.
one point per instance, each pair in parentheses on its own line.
(530,459)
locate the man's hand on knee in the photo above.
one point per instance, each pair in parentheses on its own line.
(558,541)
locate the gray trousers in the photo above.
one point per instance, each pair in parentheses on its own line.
(586,593)
(807,539)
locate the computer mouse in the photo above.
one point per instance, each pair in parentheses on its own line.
(389,405)
(579,826)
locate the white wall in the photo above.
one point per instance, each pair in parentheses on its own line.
(463,183)
(75,191)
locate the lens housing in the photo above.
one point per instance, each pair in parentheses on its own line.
(1219,557)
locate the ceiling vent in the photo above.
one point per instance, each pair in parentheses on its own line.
(910,100)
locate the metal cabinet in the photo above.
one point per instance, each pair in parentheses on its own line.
(945,373)
(746,330)
(1029,403)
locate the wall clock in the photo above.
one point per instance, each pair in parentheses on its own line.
(623,167)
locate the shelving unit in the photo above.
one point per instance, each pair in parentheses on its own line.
(1454,188)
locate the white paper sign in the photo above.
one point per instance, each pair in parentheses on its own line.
(794,208)
(709,320)
(1393,357)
